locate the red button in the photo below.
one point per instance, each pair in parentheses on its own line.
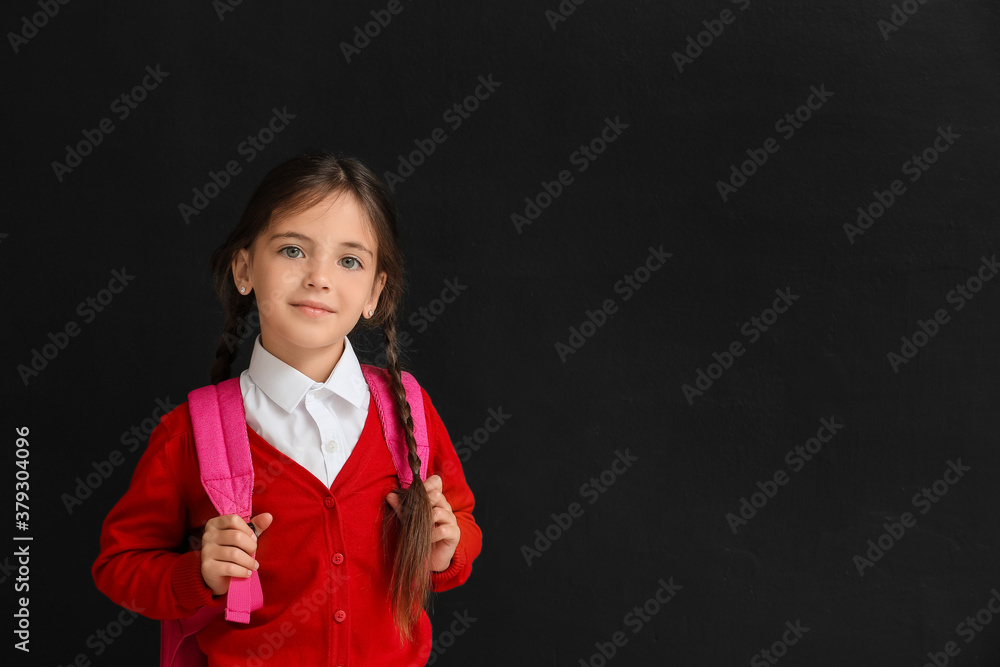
(328,501)
(340,616)
(338,558)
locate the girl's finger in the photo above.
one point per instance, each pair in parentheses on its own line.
(230,539)
(393,501)
(261,522)
(232,523)
(237,556)
(442,516)
(433,483)
(451,533)
(442,503)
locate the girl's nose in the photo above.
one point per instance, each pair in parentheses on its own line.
(318,275)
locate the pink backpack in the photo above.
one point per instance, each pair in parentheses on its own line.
(220,435)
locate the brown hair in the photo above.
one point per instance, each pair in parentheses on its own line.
(294,186)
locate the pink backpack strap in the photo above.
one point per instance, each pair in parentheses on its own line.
(226,469)
(392,428)
(220,435)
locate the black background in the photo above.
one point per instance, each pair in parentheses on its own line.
(496,345)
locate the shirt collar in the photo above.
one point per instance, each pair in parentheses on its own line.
(287,386)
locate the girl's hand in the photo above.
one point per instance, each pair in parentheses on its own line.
(227,549)
(446,533)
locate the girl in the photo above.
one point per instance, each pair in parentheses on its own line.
(346,559)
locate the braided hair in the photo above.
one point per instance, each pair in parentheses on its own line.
(294,186)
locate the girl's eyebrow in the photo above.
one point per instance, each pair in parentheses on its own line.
(357,246)
(302,237)
(290,235)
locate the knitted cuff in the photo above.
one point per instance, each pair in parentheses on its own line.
(187,583)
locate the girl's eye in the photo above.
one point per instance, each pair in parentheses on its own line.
(356,265)
(292,249)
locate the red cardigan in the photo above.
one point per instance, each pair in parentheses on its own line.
(324,574)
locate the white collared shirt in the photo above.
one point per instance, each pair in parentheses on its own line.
(315,424)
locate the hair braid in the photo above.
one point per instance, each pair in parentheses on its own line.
(237,308)
(411,575)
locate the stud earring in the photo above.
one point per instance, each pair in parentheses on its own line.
(243,289)
(370,313)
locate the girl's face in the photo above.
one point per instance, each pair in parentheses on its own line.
(314,275)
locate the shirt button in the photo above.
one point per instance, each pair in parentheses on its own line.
(338,558)
(328,501)
(340,616)
(331,446)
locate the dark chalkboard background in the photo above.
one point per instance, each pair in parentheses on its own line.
(878,340)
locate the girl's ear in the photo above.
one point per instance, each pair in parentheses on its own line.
(241,269)
(376,291)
